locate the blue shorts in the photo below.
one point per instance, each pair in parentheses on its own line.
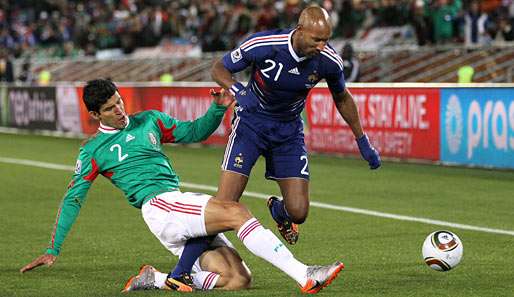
(281,143)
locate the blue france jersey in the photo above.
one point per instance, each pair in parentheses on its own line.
(280,79)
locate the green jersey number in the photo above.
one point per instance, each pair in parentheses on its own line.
(120,157)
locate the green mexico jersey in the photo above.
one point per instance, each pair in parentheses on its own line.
(132,159)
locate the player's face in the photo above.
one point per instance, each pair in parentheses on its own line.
(112,113)
(314,40)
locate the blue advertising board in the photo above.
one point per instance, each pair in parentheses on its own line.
(477,127)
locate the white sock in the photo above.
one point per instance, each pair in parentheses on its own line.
(205,280)
(263,243)
(160,278)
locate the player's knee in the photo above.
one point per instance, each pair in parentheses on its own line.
(240,282)
(298,216)
(238,212)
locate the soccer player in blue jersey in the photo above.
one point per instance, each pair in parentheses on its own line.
(285,66)
(127,150)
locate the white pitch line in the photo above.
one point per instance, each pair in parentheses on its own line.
(312,203)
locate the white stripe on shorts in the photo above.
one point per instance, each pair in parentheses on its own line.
(230,143)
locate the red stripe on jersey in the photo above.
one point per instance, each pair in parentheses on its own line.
(94,172)
(178,207)
(52,244)
(259,39)
(183,211)
(191,207)
(167,133)
(259,80)
(249,229)
(107,128)
(108,174)
(152,203)
(188,205)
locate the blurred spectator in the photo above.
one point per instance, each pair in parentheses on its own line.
(26,75)
(442,14)
(352,16)
(421,23)
(351,65)
(6,69)
(60,28)
(475,25)
(504,31)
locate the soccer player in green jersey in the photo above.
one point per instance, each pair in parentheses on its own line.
(127,150)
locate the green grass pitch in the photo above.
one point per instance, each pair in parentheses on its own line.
(110,241)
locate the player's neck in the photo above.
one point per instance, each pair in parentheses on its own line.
(294,43)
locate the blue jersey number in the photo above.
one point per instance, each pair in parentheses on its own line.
(273,65)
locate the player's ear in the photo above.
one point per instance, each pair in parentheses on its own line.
(95,115)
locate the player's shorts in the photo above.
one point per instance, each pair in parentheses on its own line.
(281,143)
(175,217)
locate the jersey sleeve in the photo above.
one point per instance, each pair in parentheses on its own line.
(85,173)
(335,80)
(241,57)
(334,70)
(175,131)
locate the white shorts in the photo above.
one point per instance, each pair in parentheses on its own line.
(175,217)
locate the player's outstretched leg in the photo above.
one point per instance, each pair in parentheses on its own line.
(286,227)
(318,277)
(144,280)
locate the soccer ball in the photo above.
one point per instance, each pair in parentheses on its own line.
(442,250)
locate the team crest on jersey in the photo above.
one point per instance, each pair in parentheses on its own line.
(78,167)
(313,77)
(152,138)
(239,161)
(236,55)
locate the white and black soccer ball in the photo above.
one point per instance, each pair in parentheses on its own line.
(442,250)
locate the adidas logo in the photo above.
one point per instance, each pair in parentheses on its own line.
(129,138)
(294,71)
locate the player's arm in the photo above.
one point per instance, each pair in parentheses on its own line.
(85,172)
(221,75)
(235,61)
(200,129)
(348,110)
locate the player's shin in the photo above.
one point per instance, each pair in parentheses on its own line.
(263,243)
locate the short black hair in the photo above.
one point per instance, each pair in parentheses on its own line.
(97,92)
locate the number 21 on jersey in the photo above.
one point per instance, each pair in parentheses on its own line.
(273,65)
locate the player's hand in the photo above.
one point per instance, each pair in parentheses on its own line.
(368,152)
(222,97)
(46,259)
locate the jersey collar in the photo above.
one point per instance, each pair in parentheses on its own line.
(290,47)
(110,130)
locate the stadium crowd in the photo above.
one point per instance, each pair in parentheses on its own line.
(80,27)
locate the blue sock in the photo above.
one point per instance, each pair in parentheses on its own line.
(278,211)
(192,250)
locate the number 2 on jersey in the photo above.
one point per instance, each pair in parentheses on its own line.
(273,64)
(120,157)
